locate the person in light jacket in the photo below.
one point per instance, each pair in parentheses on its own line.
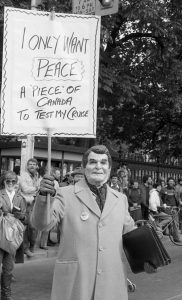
(29,185)
(155,203)
(10,198)
(155,206)
(92,217)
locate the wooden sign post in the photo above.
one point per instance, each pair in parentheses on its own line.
(49,171)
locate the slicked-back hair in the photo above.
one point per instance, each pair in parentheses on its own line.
(98,149)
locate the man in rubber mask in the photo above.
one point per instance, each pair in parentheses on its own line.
(92,217)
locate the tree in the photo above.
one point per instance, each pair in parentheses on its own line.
(141,65)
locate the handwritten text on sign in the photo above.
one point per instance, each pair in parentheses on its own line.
(50,73)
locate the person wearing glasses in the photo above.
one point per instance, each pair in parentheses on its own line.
(11,201)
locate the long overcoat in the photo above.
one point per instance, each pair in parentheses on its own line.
(89,263)
(5,205)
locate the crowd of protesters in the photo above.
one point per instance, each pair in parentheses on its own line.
(20,191)
(149,197)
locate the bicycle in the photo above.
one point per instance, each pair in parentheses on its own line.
(167,229)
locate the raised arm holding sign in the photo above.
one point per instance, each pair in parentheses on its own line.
(50,75)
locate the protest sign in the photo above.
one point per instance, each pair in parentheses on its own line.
(50,74)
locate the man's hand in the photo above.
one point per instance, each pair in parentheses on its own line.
(47,185)
(149,268)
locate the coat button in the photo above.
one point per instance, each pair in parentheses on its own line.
(99,271)
(84,216)
(101,248)
(100,225)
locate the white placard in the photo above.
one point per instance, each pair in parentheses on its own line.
(50,74)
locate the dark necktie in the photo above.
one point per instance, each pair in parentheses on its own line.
(100,194)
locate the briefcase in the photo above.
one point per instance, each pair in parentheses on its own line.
(143,245)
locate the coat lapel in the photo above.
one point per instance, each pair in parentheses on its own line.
(6,199)
(111,201)
(83,192)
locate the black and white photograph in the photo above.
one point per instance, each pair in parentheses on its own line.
(90,149)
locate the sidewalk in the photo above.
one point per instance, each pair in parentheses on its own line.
(163,285)
(41,253)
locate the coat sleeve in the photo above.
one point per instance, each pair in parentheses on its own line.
(129,223)
(23,206)
(21,203)
(39,214)
(25,184)
(1,207)
(163,195)
(143,195)
(130,202)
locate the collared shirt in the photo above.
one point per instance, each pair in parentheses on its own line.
(10,196)
(115,187)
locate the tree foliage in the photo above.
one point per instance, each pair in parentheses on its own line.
(140,74)
(141,54)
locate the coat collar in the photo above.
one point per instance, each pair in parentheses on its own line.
(6,198)
(111,200)
(83,192)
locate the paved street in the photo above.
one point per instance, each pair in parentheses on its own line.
(166,284)
(34,279)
